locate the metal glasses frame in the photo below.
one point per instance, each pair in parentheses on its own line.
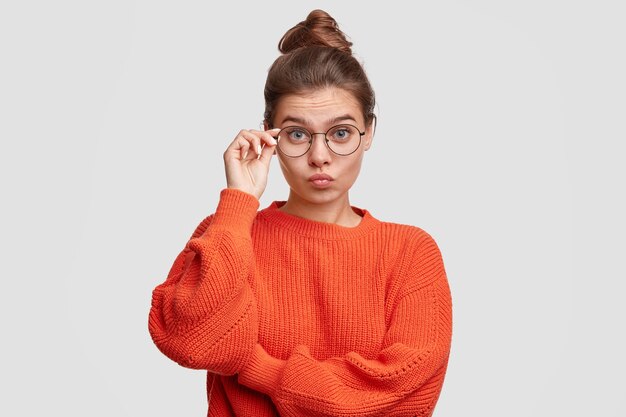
(326,140)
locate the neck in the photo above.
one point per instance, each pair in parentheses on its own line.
(338,211)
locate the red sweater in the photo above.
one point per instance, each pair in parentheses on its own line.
(294,317)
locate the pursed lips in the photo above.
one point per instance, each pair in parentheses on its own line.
(321,179)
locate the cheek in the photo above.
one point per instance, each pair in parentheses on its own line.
(355,164)
(350,171)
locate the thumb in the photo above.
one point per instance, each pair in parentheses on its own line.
(266,153)
(269,149)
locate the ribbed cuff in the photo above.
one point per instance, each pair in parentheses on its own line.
(263,371)
(235,210)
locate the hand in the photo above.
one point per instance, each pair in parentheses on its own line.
(247,160)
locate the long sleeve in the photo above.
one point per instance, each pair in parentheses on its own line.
(403,379)
(204,315)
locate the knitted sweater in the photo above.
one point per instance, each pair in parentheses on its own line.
(294,317)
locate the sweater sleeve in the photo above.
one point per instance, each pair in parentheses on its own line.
(204,315)
(404,378)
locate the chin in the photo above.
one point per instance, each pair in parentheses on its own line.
(319,196)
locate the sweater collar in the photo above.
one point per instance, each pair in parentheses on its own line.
(317,229)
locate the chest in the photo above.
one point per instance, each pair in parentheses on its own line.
(323,294)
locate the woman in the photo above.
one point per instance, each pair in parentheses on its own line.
(309,307)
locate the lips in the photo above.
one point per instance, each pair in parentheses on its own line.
(321,180)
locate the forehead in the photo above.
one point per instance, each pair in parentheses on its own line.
(318,106)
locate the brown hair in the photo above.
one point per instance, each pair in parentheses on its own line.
(316,54)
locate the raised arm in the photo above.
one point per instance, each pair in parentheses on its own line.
(204,315)
(403,379)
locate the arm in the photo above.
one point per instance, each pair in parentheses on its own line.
(406,376)
(204,315)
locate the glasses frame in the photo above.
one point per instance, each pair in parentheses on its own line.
(326,140)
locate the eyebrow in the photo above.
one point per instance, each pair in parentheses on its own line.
(301,121)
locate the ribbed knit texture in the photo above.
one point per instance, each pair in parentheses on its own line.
(294,317)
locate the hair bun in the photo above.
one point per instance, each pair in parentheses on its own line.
(319,29)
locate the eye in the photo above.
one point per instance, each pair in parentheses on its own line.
(342,133)
(297,135)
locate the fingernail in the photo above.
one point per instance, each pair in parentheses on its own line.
(258,149)
(276,128)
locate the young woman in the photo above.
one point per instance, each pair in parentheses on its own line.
(311,306)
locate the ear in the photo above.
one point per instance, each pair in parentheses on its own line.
(369,134)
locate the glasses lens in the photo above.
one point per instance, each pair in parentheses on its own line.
(343,139)
(294,141)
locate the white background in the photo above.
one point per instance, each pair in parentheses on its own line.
(500,133)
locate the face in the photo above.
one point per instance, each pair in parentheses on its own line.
(317,111)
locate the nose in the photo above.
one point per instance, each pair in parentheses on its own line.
(319,154)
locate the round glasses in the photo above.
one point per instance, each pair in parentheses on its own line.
(295,141)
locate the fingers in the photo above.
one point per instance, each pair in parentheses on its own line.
(250,143)
(265,140)
(267,152)
(243,146)
(269,144)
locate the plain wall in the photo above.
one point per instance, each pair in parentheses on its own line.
(500,133)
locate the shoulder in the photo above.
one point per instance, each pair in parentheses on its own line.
(416,244)
(411,236)
(418,256)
